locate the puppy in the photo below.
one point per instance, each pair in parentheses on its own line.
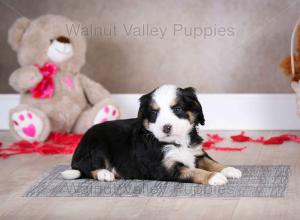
(162,143)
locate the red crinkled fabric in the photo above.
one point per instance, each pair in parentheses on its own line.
(57,143)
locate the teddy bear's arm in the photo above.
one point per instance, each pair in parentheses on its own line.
(94,91)
(285,65)
(25,78)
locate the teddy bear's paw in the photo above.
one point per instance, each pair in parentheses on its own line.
(27,125)
(107,113)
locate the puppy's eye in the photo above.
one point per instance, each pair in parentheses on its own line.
(177,109)
(153,115)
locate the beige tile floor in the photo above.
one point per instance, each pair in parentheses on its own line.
(18,173)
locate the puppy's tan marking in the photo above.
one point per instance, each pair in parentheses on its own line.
(210,165)
(197,175)
(146,123)
(191,116)
(94,174)
(154,105)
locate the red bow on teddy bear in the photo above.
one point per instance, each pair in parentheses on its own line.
(45,88)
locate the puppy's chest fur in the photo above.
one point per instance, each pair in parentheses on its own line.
(183,154)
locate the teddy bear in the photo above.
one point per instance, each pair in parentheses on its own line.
(54,95)
(286,65)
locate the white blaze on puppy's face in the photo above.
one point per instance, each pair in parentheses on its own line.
(168,126)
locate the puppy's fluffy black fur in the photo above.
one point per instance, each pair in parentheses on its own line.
(132,150)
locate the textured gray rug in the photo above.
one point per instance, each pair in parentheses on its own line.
(257,181)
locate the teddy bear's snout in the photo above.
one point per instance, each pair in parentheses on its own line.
(60,49)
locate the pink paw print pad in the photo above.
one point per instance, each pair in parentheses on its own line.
(107,113)
(27,125)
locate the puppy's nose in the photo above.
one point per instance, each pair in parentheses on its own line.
(167,129)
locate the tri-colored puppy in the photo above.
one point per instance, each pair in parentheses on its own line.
(162,143)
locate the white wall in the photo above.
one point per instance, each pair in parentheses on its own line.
(222,111)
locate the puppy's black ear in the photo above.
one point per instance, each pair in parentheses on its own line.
(144,103)
(194,104)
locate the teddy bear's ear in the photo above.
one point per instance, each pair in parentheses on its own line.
(16,32)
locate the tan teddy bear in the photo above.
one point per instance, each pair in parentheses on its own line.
(55,96)
(285,64)
(293,71)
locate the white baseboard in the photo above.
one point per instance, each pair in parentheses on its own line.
(222,111)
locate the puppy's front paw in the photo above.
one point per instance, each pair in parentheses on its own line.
(105,175)
(217,180)
(231,172)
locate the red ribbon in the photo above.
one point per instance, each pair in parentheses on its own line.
(213,139)
(272,140)
(45,88)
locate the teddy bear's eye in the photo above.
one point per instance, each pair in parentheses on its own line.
(51,41)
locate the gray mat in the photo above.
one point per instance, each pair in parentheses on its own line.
(257,181)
